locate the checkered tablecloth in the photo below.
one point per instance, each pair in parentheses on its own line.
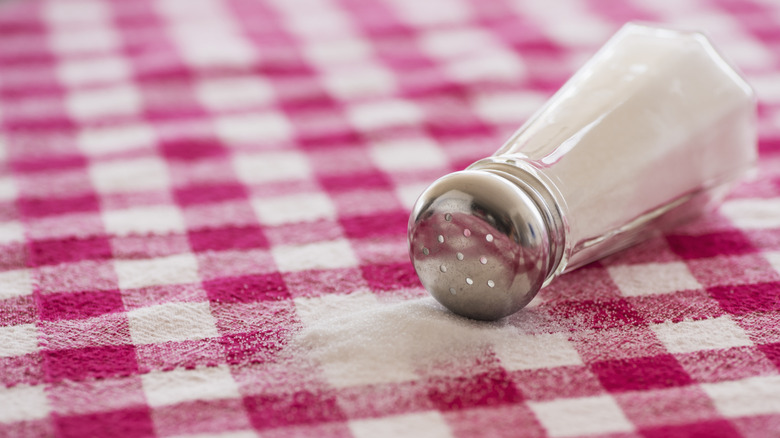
(203,210)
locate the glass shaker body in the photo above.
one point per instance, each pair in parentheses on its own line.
(650,132)
(655,120)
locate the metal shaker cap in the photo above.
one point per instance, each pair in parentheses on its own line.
(479,244)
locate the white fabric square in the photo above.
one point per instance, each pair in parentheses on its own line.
(213,44)
(350,355)
(106,140)
(581,416)
(172,322)
(434,12)
(384,114)
(96,103)
(752,214)
(652,278)
(190,8)
(175,269)
(75,11)
(706,334)
(8,190)
(360,82)
(747,397)
(234,93)
(525,352)
(508,107)
(180,385)
(11,232)
(407,155)
(271,166)
(141,220)
(455,42)
(84,71)
(428,424)
(349,50)
(304,207)
(320,20)
(408,193)
(767,85)
(497,65)
(23,403)
(16,340)
(15,283)
(250,128)
(774,260)
(131,175)
(321,255)
(71,41)
(232,434)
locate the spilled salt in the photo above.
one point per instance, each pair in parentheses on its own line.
(366,341)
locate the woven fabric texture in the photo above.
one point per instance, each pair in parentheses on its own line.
(203,210)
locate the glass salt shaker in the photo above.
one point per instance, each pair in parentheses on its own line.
(650,132)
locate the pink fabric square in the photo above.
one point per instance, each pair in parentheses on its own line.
(748,298)
(297,408)
(226,238)
(79,305)
(90,362)
(710,245)
(203,194)
(388,223)
(247,289)
(721,428)
(641,373)
(590,282)
(52,252)
(132,422)
(390,276)
(596,315)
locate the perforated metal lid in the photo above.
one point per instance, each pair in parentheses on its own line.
(479,244)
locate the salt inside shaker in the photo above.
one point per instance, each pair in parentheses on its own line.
(650,132)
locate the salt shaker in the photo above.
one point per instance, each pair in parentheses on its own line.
(650,132)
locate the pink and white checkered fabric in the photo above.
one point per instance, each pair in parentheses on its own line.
(203,208)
